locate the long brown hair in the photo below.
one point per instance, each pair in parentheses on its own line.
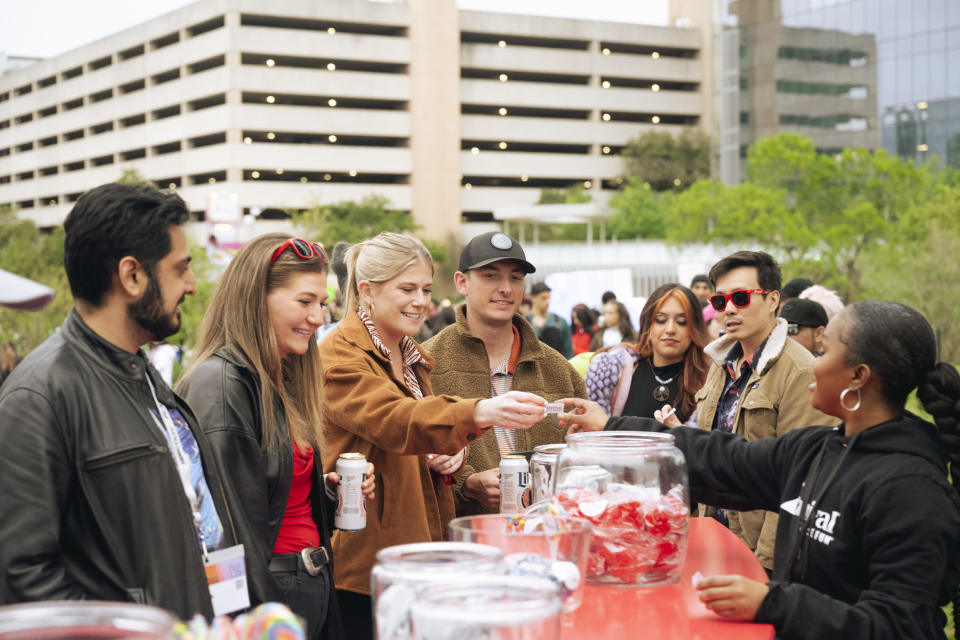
(238,318)
(695,363)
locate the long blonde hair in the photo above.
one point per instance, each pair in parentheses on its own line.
(379,259)
(238,319)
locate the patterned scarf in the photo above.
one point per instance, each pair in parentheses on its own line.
(411,354)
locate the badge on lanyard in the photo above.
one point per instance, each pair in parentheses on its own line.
(227,580)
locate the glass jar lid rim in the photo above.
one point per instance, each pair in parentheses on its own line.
(621,438)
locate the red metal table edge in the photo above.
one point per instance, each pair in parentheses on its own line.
(672,611)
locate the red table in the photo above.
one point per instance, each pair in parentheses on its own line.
(672,611)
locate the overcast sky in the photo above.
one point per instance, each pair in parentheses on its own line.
(46,28)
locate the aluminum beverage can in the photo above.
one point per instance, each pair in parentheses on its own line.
(514,480)
(351,512)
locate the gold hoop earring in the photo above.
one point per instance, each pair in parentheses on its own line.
(843,396)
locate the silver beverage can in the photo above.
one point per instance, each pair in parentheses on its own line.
(351,512)
(514,480)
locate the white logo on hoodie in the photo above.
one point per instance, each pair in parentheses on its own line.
(823,524)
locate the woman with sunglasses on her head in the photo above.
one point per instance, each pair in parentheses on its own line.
(868,541)
(378,403)
(256,389)
(666,365)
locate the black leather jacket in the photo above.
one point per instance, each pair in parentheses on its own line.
(225,393)
(91,505)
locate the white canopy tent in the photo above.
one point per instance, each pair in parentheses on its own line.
(20,293)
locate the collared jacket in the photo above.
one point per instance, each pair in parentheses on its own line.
(91,504)
(463,369)
(225,393)
(775,399)
(368,410)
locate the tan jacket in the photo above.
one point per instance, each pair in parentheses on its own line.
(463,369)
(775,400)
(369,411)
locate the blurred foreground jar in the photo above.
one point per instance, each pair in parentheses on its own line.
(487,608)
(633,488)
(403,570)
(75,620)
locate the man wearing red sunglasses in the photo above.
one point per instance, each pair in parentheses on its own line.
(758,383)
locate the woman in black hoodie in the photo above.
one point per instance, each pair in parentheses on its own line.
(868,541)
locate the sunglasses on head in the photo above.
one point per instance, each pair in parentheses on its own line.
(302,248)
(740,298)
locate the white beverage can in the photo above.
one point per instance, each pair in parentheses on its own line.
(351,512)
(514,480)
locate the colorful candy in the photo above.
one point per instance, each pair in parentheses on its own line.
(269,621)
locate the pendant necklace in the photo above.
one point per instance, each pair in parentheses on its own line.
(660,393)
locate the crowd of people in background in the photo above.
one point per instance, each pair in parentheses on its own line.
(789,407)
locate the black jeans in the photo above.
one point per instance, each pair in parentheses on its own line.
(357,612)
(307,596)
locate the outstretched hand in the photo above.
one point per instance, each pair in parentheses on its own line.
(586,415)
(512,410)
(733,597)
(368,486)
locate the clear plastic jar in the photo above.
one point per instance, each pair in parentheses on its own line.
(488,607)
(633,487)
(69,620)
(542,464)
(401,571)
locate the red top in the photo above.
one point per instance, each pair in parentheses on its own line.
(580,340)
(298,529)
(671,611)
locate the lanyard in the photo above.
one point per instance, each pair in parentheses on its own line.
(182,462)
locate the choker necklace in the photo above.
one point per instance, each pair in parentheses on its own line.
(660,393)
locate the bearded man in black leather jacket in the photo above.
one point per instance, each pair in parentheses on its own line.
(106,489)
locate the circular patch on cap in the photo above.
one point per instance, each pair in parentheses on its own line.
(501,241)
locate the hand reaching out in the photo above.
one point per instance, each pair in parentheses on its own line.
(733,597)
(586,415)
(512,410)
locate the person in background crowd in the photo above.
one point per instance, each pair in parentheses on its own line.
(8,360)
(714,328)
(378,402)
(806,322)
(618,328)
(492,350)
(700,285)
(868,542)
(608,296)
(826,298)
(163,356)
(794,288)
(542,319)
(255,386)
(666,365)
(758,379)
(605,297)
(109,490)
(581,319)
(526,306)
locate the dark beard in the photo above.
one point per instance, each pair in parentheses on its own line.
(148,313)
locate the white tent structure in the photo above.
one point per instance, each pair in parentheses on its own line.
(25,295)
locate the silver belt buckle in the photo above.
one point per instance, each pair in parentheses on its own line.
(306,554)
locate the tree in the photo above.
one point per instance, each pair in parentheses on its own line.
(661,159)
(570,195)
(133,176)
(637,212)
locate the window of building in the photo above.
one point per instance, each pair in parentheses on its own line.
(170,147)
(26,146)
(50,171)
(24,90)
(207,140)
(205,26)
(130,87)
(133,154)
(100,96)
(165,41)
(105,61)
(132,121)
(524,76)
(531,112)
(48,142)
(25,204)
(103,127)
(166,112)
(23,118)
(46,82)
(204,65)
(73,104)
(652,51)
(73,135)
(71,73)
(132,52)
(207,102)
(102,160)
(166,76)
(26,175)
(331,27)
(49,111)
(73,197)
(517,40)
(208,178)
(74,166)
(325,63)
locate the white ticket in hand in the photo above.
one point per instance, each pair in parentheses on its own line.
(554,407)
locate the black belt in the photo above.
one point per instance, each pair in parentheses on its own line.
(312,559)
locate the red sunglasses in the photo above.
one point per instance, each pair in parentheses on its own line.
(739,298)
(302,248)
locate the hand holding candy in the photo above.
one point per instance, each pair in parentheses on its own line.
(446,465)
(369,485)
(667,415)
(512,410)
(586,416)
(734,597)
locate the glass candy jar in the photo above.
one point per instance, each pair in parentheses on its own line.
(633,487)
(403,570)
(542,464)
(69,620)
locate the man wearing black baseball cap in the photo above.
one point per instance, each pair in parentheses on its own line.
(806,322)
(490,350)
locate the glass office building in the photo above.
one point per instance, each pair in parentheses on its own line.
(846,73)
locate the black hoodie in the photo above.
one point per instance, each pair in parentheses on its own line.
(881,553)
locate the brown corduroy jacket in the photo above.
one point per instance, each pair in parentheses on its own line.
(463,368)
(367,410)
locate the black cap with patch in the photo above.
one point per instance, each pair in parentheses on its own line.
(804,313)
(491,247)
